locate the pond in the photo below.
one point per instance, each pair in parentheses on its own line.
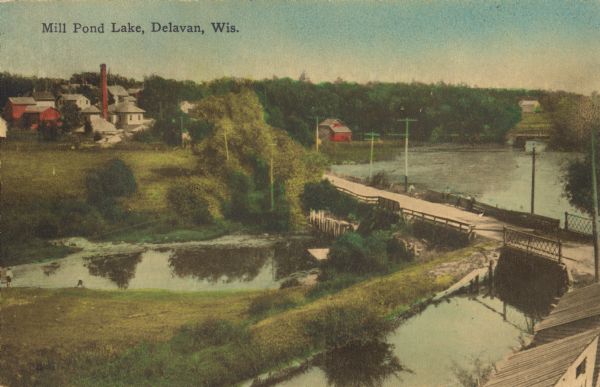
(438,345)
(174,267)
(499,176)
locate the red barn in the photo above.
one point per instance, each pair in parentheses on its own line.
(35,114)
(334,130)
(15,107)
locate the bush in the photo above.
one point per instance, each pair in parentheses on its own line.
(338,326)
(377,219)
(324,196)
(380,180)
(114,179)
(353,253)
(269,301)
(188,200)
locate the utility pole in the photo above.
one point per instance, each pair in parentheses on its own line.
(226,146)
(271,179)
(595,210)
(317,133)
(372,135)
(407,121)
(532,178)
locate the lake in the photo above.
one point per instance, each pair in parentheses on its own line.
(499,176)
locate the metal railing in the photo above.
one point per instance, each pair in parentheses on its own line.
(578,224)
(533,244)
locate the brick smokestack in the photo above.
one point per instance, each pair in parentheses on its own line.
(104,91)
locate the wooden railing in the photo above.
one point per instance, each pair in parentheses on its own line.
(439,220)
(533,244)
(361,198)
(394,206)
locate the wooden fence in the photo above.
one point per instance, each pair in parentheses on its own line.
(328,225)
(439,220)
(533,244)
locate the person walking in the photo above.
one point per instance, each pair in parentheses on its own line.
(9,277)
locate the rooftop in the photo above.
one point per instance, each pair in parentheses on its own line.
(543,365)
(117,91)
(22,100)
(574,306)
(42,96)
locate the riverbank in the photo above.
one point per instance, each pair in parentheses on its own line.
(91,335)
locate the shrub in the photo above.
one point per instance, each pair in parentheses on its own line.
(269,301)
(324,196)
(380,180)
(353,253)
(188,200)
(377,219)
(338,326)
(114,179)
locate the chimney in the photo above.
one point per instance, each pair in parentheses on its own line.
(104,91)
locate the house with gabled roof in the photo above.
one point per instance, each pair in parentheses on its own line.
(118,93)
(565,350)
(15,107)
(126,115)
(335,130)
(35,115)
(568,362)
(79,100)
(44,98)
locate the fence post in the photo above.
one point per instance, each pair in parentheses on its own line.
(566,221)
(559,251)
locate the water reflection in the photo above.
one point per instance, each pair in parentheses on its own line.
(51,268)
(363,364)
(119,268)
(290,257)
(214,265)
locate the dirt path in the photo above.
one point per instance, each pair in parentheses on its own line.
(579,256)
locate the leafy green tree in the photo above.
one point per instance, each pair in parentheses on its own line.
(71,117)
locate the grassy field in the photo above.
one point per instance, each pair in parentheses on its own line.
(43,173)
(84,337)
(360,151)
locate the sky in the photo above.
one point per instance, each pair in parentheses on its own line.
(546,44)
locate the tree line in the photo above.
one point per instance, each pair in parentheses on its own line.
(445,112)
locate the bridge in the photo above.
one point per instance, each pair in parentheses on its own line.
(333,227)
(533,244)
(576,254)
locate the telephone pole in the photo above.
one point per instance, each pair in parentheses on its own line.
(532,178)
(271,179)
(372,135)
(407,121)
(595,206)
(317,134)
(226,146)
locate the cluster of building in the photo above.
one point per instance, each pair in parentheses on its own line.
(121,116)
(565,350)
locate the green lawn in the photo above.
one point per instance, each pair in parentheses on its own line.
(360,151)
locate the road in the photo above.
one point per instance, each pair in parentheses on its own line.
(579,257)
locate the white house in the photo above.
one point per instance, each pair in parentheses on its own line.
(186,106)
(126,115)
(118,93)
(80,100)
(44,98)
(529,106)
(3,128)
